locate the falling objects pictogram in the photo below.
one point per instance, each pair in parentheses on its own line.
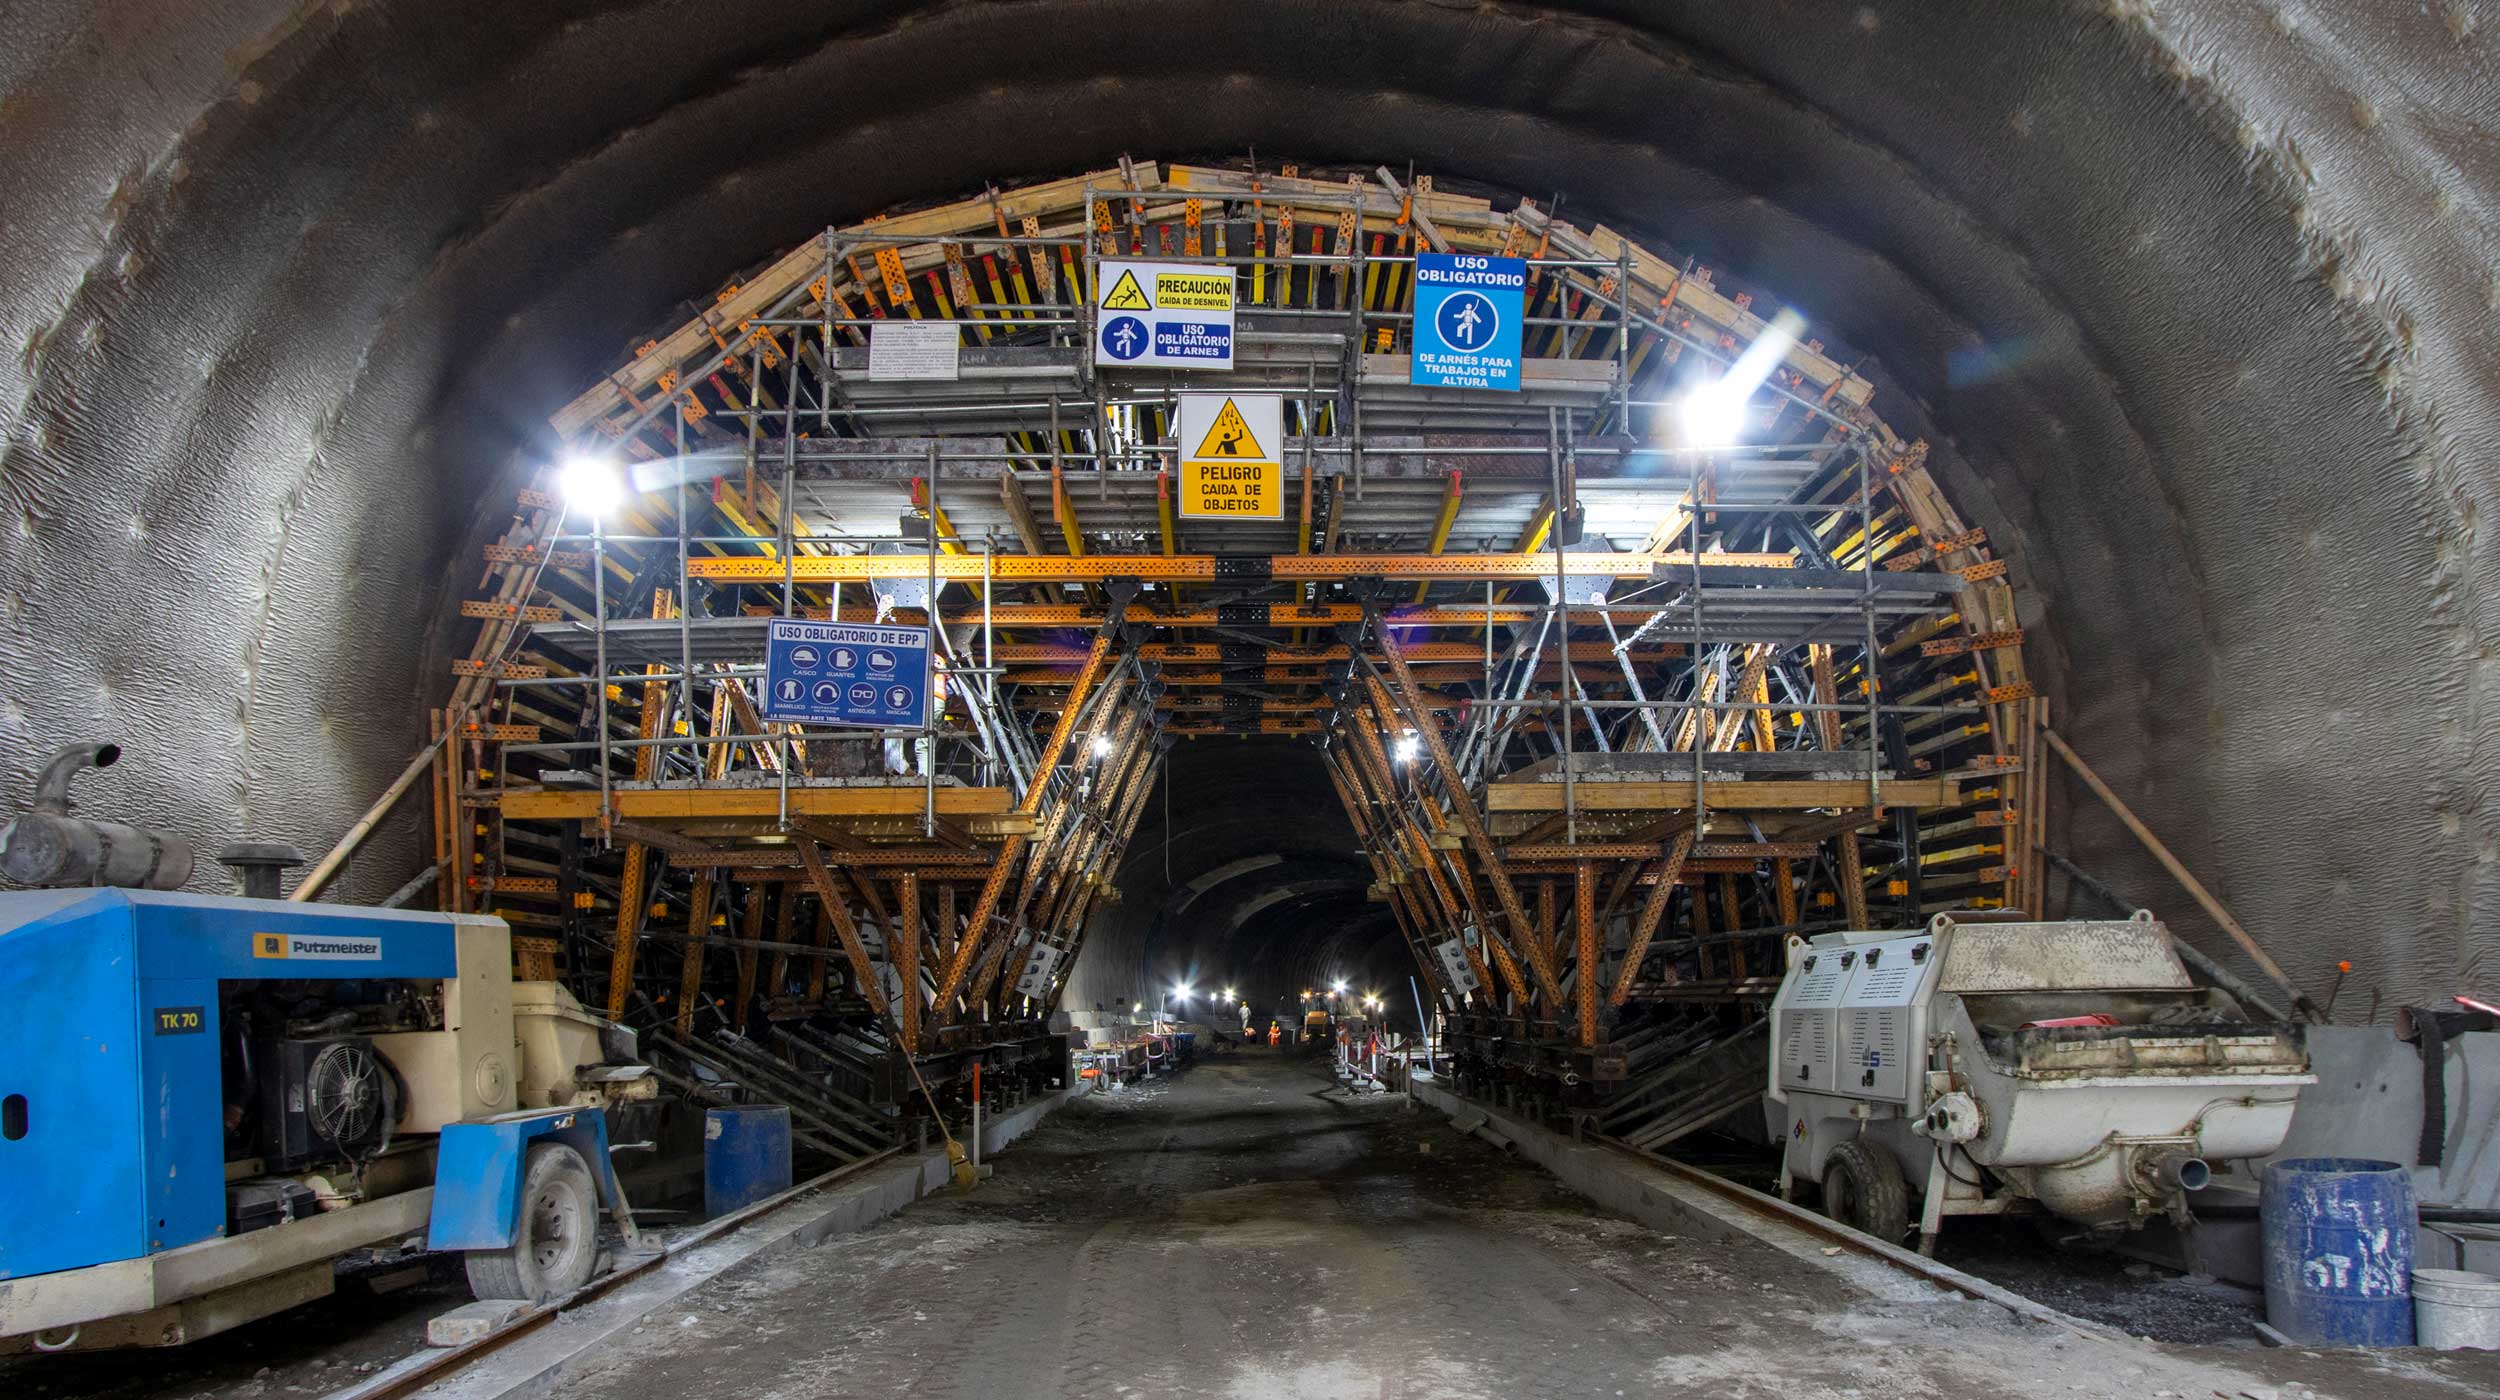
(1229,436)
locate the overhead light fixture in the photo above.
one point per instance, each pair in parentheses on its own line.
(1712,414)
(1102,746)
(1405,747)
(1338,988)
(591,485)
(1228,994)
(1181,990)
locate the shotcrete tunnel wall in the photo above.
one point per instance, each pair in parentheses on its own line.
(2195,302)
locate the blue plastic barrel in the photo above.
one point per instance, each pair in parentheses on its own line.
(746,1155)
(2339,1251)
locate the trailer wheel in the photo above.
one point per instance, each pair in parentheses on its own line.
(1863,1189)
(556,1243)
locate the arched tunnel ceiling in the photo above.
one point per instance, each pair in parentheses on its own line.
(2194,298)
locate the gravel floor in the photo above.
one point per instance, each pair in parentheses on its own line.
(1248,1230)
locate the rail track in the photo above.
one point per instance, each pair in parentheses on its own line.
(1904,1261)
(431,1365)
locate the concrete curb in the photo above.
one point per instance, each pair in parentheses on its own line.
(535,1364)
(1636,1190)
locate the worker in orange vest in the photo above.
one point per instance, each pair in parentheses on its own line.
(1275,1034)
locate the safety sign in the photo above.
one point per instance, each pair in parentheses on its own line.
(1232,463)
(1163,316)
(1468,312)
(909,350)
(846,673)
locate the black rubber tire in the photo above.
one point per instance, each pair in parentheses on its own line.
(1863,1189)
(556,1245)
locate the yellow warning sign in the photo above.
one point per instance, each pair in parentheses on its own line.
(1230,469)
(1229,435)
(1126,295)
(1237,490)
(1193,291)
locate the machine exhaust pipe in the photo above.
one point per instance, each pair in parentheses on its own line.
(2176,1171)
(49,847)
(52,785)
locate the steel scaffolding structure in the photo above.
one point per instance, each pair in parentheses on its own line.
(1695,698)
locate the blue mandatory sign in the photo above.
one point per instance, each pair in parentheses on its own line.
(1468,310)
(846,673)
(1124,338)
(1194,340)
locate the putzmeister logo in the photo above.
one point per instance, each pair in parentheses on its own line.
(316,947)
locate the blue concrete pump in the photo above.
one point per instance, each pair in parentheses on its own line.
(205,1100)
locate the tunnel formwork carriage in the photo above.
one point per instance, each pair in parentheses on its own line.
(1617,695)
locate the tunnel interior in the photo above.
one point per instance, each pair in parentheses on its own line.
(295,291)
(458,442)
(1250,883)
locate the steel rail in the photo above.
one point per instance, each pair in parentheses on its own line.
(433,1364)
(1857,1242)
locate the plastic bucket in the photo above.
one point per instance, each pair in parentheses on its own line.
(2339,1250)
(746,1155)
(2453,1309)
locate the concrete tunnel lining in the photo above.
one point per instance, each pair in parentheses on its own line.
(2193,316)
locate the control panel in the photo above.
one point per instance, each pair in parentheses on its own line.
(1851,1017)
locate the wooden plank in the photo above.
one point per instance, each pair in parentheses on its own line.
(775,857)
(1164,568)
(1734,795)
(694,338)
(688,804)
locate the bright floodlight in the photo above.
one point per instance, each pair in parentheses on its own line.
(1405,749)
(1102,746)
(1338,988)
(1713,414)
(1181,990)
(591,486)
(1228,994)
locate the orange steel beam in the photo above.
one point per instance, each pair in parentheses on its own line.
(1584,896)
(1159,568)
(1374,763)
(1265,726)
(1441,527)
(837,909)
(776,857)
(1470,821)
(1852,862)
(1591,675)
(1208,652)
(1277,615)
(630,895)
(1359,816)
(1009,855)
(904,952)
(698,928)
(1646,926)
